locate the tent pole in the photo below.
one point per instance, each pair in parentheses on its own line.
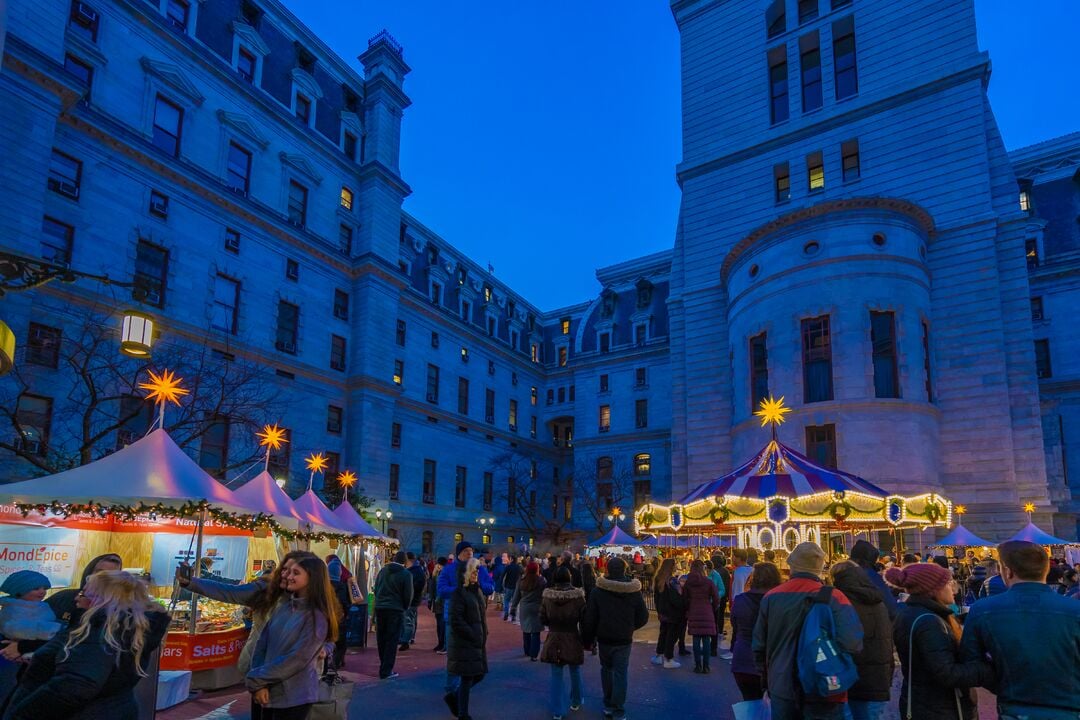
(198,570)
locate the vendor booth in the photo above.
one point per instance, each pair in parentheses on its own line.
(615,541)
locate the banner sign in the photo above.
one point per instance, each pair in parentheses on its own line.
(49,551)
(228,556)
(205,651)
(10,515)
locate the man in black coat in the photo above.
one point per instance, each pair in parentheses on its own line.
(419,582)
(393,596)
(615,610)
(510,578)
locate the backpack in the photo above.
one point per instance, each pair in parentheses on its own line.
(824,669)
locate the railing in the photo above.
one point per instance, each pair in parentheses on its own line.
(385,36)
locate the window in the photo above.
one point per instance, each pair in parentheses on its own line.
(436,293)
(489,405)
(605,418)
(56,241)
(511,495)
(333,469)
(176,14)
(759,370)
(491,326)
(232,240)
(346,198)
(821,444)
(238,175)
(337,353)
(1025,200)
(288,322)
(292,269)
(926,361)
(883,342)
(532,427)
(395,435)
(298,196)
(226,302)
(432,383)
(466,311)
(808,10)
(778,84)
(489,483)
(605,342)
(550,396)
(532,395)
(65,173)
(603,383)
(781,182)
(817,359)
(463,395)
(348,145)
(395,481)
(151,269)
(513,415)
(775,19)
(1036,308)
(849,160)
(84,20)
(33,419)
(334,419)
(81,71)
(847,77)
(815,172)
(214,447)
(281,459)
(345,234)
(1031,250)
(640,377)
(399,372)
(429,482)
(303,109)
(562,356)
(136,415)
(464,355)
(810,68)
(491,367)
(459,486)
(245,64)
(562,395)
(565,326)
(641,334)
(434,339)
(399,333)
(341,304)
(568,507)
(534,352)
(641,413)
(642,481)
(168,119)
(43,345)
(1042,359)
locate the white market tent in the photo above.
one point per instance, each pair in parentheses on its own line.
(264,494)
(317,515)
(347,514)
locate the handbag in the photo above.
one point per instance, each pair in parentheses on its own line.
(753,709)
(334,695)
(911,667)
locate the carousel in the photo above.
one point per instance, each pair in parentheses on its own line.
(780,498)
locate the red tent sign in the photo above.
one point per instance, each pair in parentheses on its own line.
(11,515)
(205,651)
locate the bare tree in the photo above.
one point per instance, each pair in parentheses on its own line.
(597,490)
(529,488)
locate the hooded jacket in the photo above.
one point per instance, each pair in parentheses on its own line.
(866,556)
(614,611)
(701,599)
(561,610)
(393,588)
(875,660)
(526,605)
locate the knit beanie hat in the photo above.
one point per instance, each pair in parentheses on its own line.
(334,568)
(19,583)
(920,578)
(807,557)
(616,568)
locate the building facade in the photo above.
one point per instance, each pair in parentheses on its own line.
(220,158)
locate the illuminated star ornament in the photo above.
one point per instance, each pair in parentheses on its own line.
(960,509)
(772,411)
(1029,508)
(316,462)
(347,479)
(272,437)
(163,388)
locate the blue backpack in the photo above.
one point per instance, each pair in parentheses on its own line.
(824,669)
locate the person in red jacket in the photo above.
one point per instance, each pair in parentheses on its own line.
(701,599)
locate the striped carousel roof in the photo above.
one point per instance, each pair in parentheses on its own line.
(779,471)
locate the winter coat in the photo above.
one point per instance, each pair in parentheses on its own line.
(286,658)
(510,577)
(63,602)
(779,623)
(614,611)
(588,581)
(561,610)
(526,606)
(937,671)
(468,633)
(90,683)
(393,588)
(419,581)
(875,661)
(744,614)
(883,588)
(237,595)
(701,600)
(670,604)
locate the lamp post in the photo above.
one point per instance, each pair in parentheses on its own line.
(485,524)
(616,516)
(384,516)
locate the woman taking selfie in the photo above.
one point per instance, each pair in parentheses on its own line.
(284,675)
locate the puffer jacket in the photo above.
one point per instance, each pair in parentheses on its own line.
(468,633)
(937,673)
(526,605)
(285,660)
(90,683)
(561,610)
(875,661)
(701,599)
(615,610)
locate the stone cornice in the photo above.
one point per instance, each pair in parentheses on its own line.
(250,38)
(307,83)
(302,165)
(243,125)
(174,77)
(382,85)
(375,170)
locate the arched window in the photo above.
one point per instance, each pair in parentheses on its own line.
(427,542)
(642,464)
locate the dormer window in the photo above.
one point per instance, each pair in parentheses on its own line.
(487,293)
(564,325)
(432,255)
(1025,196)
(176,14)
(250,13)
(245,64)
(350,99)
(305,60)
(607,304)
(644,293)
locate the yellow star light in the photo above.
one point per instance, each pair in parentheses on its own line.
(347,479)
(1029,507)
(316,462)
(163,388)
(959,509)
(772,411)
(272,436)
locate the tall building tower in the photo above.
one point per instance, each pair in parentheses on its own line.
(851,238)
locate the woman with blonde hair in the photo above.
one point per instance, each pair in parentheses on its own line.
(468,633)
(92,671)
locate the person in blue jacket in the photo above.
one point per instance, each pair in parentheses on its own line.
(446,586)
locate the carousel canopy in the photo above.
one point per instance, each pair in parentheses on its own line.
(779,471)
(347,515)
(151,470)
(615,536)
(1032,533)
(316,514)
(962,537)
(262,493)
(689,541)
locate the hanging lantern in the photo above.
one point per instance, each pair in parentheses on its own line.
(137,334)
(7,349)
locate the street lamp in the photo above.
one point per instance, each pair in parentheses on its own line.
(616,516)
(384,516)
(485,523)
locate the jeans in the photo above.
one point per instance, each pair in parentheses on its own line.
(530,642)
(783,709)
(680,635)
(387,635)
(614,669)
(508,595)
(865,710)
(702,646)
(440,631)
(465,684)
(408,627)
(665,641)
(558,702)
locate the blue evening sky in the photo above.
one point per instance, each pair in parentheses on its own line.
(543,135)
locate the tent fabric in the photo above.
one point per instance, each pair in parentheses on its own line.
(151,470)
(317,515)
(262,493)
(357,525)
(962,537)
(780,471)
(615,536)
(1032,533)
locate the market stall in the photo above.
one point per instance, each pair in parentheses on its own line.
(615,541)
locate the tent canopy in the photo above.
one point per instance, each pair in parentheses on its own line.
(781,471)
(962,537)
(1032,533)
(346,515)
(315,513)
(615,536)
(262,493)
(151,470)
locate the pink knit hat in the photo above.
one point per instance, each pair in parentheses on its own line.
(920,578)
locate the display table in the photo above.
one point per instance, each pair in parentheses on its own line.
(173,688)
(210,656)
